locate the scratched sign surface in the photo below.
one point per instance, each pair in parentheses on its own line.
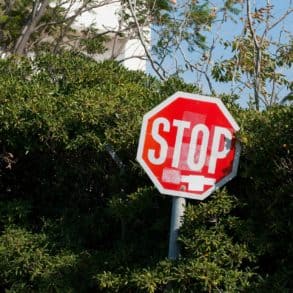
(187,145)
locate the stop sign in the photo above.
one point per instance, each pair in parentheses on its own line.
(187,145)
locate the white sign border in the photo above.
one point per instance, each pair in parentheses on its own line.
(161,106)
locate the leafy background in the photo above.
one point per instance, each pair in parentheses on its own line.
(77,213)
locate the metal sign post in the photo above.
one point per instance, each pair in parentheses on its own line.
(178,208)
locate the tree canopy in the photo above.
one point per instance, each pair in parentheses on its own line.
(188,39)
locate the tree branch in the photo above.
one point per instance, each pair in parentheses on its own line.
(38,11)
(257,56)
(141,38)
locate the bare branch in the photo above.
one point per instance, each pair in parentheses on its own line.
(257,56)
(8,5)
(38,11)
(287,13)
(249,20)
(142,40)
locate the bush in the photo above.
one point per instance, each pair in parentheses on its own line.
(26,264)
(78,213)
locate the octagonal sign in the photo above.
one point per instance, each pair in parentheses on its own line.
(187,145)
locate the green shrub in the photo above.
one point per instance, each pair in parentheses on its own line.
(77,213)
(26,264)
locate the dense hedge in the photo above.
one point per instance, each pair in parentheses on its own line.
(77,214)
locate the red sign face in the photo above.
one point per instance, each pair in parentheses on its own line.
(187,145)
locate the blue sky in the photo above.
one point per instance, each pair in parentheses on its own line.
(228,31)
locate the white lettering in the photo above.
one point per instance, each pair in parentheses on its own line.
(197,166)
(215,152)
(162,153)
(181,125)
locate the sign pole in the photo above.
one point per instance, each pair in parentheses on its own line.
(178,208)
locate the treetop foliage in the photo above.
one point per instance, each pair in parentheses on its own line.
(188,39)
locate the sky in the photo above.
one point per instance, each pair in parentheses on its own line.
(228,31)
